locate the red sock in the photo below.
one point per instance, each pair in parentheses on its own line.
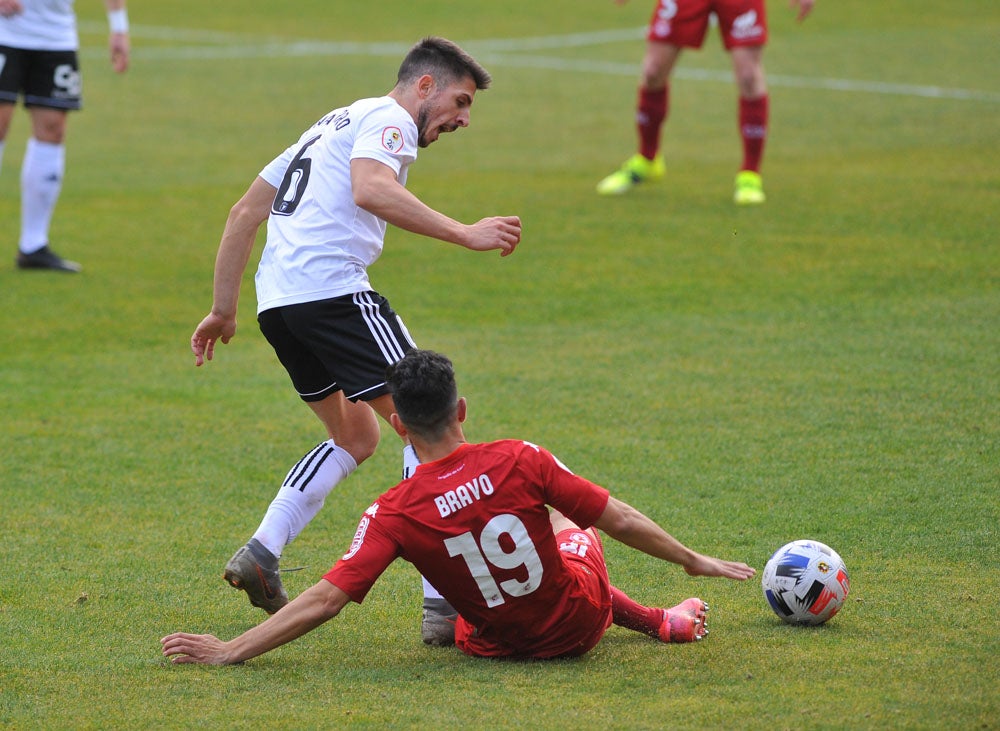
(628,613)
(650,113)
(753,130)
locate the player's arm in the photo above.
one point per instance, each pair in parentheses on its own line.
(118,41)
(804,8)
(626,524)
(306,612)
(245,218)
(376,189)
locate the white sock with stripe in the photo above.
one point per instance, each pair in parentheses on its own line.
(410,462)
(41,181)
(302,494)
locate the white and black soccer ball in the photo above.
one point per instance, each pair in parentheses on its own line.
(805,582)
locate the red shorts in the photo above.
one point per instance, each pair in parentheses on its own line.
(685,22)
(584,620)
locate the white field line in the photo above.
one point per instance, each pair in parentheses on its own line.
(511,52)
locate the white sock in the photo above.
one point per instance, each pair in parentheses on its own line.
(302,494)
(410,462)
(429,591)
(41,181)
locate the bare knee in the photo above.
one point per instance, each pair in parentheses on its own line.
(748,71)
(352,426)
(360,448)
(657,65)
(6,114)
(360,435)
(48,125)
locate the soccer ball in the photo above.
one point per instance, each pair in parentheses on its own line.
(805,582)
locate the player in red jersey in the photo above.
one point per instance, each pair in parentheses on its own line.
(679,24)
(527,581)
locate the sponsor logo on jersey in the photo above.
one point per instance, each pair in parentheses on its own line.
(746,26)
(392,139)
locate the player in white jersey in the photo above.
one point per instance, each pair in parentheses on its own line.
(38,60)
(327,200)
(319,241)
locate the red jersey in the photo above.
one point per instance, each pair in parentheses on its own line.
(476,526)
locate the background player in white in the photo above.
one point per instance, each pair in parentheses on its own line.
(38,59)
(474,519)
(326,201)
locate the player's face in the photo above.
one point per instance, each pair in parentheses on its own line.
(445,110)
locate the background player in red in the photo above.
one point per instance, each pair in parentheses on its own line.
(679,24)
(526,581)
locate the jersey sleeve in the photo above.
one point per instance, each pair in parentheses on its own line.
(579,499)
(386,134)
(370,554)
(274,171)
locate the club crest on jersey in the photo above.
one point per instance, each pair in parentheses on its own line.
(392,139)
(359,535)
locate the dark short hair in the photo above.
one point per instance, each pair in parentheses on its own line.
(443,60)
(424,392)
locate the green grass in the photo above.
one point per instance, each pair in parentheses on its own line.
(825,366)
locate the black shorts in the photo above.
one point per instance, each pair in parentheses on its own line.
(340,344)
(45,78)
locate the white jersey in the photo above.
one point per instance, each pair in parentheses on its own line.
(44,25)
(319,243)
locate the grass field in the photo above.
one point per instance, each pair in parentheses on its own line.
(824,366)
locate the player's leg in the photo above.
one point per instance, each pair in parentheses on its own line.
(653,105)
(652,109)
(254,567)
(353,435)
(301,335)
(11,84)
(42,173)
(743,24)
(6,115)
(674,25)
(437,621)
(683,623)
(51,89)
(753,115)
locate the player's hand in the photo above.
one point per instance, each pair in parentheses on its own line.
(805,7)
(182,647)
(708,566)
(496,232)
(118,44)
(213,328)
(10,8)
